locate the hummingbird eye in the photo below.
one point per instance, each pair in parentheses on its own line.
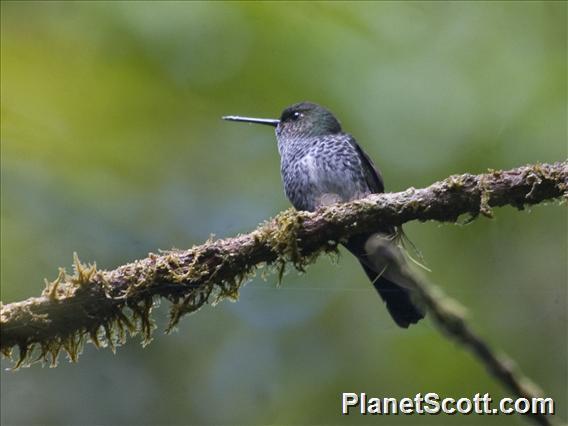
(291,115)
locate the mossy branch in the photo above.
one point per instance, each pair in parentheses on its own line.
(105,306)
(450,318)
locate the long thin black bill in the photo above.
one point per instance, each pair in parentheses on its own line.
(267,121)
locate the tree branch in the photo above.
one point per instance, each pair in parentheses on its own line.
(451,320)
(93,304)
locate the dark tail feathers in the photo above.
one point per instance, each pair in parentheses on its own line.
(397,298)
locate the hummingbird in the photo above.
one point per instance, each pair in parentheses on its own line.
(321,165)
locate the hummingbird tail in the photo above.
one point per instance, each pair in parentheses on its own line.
(397,297)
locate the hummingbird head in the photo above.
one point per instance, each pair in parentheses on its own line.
(307,119)
(303,119)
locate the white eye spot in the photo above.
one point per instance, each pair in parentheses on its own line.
(296,115)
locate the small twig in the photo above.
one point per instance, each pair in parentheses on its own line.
(449,317)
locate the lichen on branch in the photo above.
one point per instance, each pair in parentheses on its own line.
(104,307)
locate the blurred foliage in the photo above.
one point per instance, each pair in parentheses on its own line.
(112,146)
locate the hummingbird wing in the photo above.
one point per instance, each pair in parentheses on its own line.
(393,288)
(370,171)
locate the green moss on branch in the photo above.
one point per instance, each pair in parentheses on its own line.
(104,307)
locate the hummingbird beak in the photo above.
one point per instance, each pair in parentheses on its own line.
(267,121)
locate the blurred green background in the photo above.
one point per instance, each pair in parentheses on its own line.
(112,146)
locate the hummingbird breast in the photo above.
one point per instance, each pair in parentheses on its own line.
(321,170)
